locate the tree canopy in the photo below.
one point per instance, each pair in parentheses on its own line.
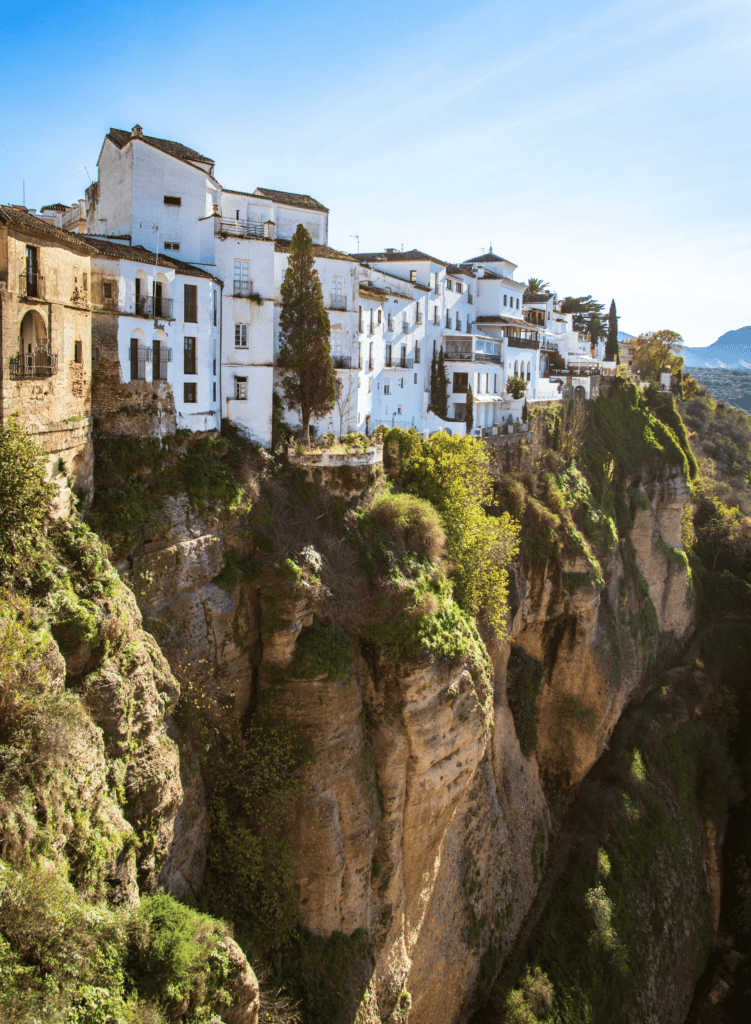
(535,286)
(611,349)
(657,351)
(308,378)
(587,315)
(516,386)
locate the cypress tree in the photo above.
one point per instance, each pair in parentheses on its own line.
(308,379)
(433,379)
(611,349)
(469,416)
(441,387)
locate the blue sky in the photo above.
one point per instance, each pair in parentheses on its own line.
(602,146)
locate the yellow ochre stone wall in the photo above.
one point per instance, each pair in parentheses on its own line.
(55,409)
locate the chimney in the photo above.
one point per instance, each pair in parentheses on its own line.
(136,131)
(391,250)
(269,229)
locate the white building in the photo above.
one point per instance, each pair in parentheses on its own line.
(154,319)
(164,196)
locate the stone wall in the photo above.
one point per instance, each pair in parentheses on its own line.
(142,407)
(56,407)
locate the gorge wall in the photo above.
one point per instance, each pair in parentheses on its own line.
(423,820)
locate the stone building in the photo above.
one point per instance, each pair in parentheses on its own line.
(45,341)
(155,342)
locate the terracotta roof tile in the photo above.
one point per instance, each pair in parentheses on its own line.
(121,137)
(138,254)
(489,257)
(290,199)
(12,216)
(410,256)
(322,251)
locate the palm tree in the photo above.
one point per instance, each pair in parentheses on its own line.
(535,285)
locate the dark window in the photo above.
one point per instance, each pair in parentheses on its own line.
(241,387)
(162,356)
(85,282)
(459,287)
(33,281)
(241,335)
(517,303)
(78,352)
(413,276)
(449,285)
(380,314)
(95,354)
(214,390)
(388,355)
(370,356)
(216,303)
(189,393)
(175,246)
(213,367)
(137,360)
(189,360)
(107,290)
(504,300)
(190,303)
(173,201)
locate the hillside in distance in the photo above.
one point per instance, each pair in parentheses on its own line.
(731,351)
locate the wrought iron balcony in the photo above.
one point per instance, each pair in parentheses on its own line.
(154,306)
(33,365)
(342,362)
(399,363)
(338,302)
(31,286)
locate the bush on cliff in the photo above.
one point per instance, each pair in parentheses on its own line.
(25,493)
(453,474)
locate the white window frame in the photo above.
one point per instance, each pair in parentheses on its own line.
(241,336)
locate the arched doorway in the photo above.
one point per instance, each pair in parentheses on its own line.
(35,358)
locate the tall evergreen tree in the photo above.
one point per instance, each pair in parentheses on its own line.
(433,379)
(469,416)
(611,350)
(308,379)
(441,387)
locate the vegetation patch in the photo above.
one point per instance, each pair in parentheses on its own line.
(524,684)
(330,976)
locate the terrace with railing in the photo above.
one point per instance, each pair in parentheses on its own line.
(241,228)
(154,306)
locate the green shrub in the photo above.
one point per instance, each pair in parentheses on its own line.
(324,651)
(25,493)
(407,522)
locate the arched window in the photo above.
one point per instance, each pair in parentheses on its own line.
(529,371)
(35,358)
(516,367)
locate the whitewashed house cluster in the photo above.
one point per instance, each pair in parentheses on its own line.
(193,270)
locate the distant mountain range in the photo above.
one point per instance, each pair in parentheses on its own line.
(731,351)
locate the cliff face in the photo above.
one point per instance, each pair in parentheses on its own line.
(422,819)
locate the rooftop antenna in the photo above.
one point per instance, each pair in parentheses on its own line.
(24,192)
(83,168)
(358,242)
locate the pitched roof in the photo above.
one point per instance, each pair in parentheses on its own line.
(410,256)
(513,320)
(137,253)
(457,271)
(121,137)
(538,297)
(290,199)
(13,217)
(489,257)
(57,207)
(322,251)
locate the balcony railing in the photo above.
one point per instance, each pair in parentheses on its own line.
(405,327)
(339,302)
(241,228)
(31,286)
(390,324)
(154,306)
(33,365)
(460,389)
(513,342)
(399,363)
(342,362)
(242,289)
